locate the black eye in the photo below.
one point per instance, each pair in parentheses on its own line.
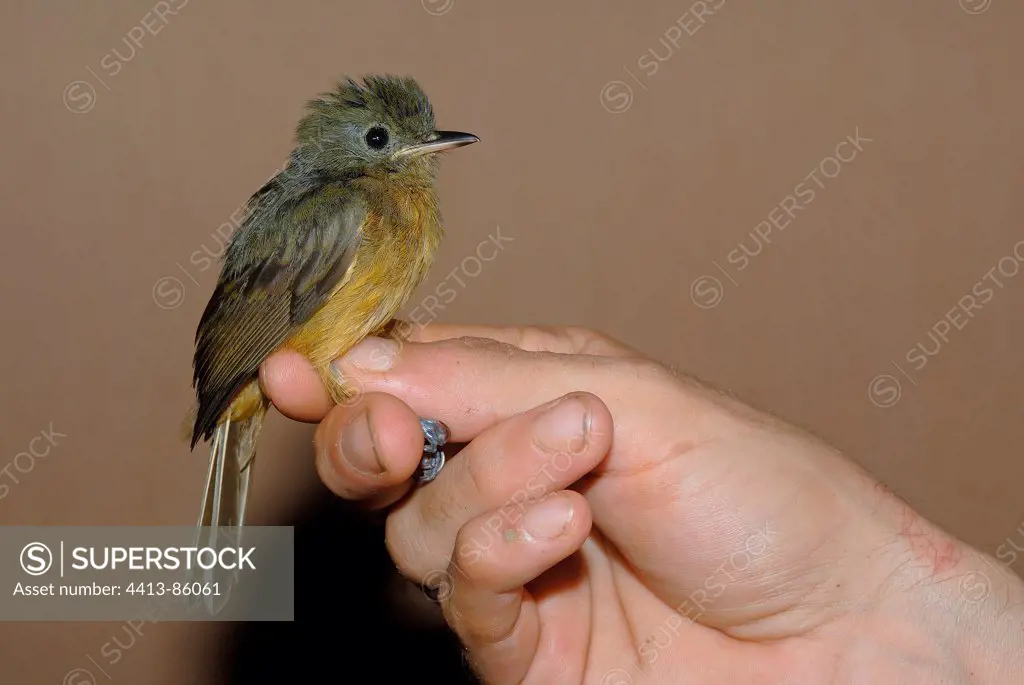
(377,137)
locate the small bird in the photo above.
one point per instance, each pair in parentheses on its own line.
(332,248)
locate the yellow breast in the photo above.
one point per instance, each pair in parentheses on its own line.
(399,239)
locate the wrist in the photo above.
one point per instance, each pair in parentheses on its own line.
(966,623)
(982,606)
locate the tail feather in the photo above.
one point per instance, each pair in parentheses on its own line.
(232,455)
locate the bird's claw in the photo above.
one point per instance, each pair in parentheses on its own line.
(435,435)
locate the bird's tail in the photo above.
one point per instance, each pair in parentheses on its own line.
(232,454)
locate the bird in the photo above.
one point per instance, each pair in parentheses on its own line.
(330,249)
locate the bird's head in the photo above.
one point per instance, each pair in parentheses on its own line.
(380,127)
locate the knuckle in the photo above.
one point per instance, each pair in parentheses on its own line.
(475,557)
(646,371)
(586,339)
(541,338)
(578,339)
(586,334)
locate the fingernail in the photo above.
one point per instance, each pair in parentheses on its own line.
(549,518)
(372,354)
(358,448)
(564,428)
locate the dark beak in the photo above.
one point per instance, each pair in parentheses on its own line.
(441,141)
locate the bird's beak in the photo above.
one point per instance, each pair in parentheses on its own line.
(439,142)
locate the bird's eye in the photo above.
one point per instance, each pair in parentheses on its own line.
(377,137)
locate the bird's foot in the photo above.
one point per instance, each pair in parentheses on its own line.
(435,436)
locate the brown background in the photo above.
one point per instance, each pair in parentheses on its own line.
(614,214)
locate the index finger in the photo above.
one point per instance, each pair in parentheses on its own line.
(470,384)
(294,387)
(560,340)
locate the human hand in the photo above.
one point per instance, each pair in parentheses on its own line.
(715,543)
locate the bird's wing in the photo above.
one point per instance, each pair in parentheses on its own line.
(280,268)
